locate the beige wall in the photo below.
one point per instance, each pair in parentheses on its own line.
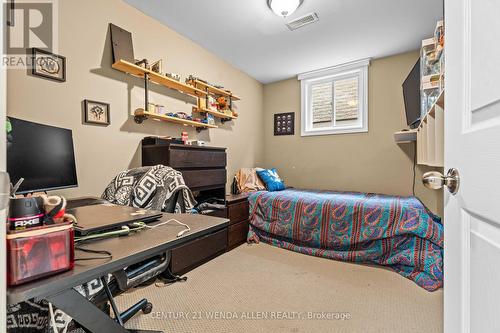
(367,162)
(101,152)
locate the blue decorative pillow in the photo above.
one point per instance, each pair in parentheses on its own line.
(271,179)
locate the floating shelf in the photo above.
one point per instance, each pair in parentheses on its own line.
(214,113)
(213,90)
(406,136)
(133,69)
(140,113)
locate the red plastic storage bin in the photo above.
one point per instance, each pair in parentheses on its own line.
(39,252)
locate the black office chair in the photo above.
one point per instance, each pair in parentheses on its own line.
(139,274)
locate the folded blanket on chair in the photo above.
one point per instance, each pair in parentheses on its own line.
(149,187)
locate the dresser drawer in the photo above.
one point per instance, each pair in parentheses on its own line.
(238,212)
(203,178)
(237,234)
(198,251)
(196,158)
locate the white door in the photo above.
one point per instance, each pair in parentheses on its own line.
(472,145)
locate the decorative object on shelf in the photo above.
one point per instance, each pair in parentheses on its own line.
(210,119)
(174,76)
(184,137)
(160,109)
(212,103)
(96,112)
(284,123)
(48,65)
(156,66)
(121,40)
(191,78)
(182,115)
(222,103)
(152,107)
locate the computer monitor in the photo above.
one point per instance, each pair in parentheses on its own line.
(43,155)
(411,94)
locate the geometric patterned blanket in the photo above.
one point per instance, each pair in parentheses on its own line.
(397,232)
(148,187)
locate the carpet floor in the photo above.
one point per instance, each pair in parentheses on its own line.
(260,288)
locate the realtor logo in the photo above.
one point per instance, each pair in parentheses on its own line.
(30,24)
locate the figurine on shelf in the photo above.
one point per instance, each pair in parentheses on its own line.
(210,119)
(156,66)
(222,103)
(182,115)
(212,103)
(173,76)
(160,109)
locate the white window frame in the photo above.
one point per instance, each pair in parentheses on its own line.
(357,69)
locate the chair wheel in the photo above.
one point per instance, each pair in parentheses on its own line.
(147,308)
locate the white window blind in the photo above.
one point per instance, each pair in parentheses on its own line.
(335,100)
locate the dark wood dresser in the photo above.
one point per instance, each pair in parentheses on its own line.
(237,213)
(204,172)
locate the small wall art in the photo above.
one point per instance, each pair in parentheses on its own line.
(284,123)
(48,65)
(96,113)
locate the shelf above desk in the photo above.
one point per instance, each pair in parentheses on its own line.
(140,113)
(130,68)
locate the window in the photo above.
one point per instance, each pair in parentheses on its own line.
(335,99)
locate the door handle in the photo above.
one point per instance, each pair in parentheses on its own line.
(435,180)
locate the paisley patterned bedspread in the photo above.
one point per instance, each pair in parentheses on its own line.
(398,232)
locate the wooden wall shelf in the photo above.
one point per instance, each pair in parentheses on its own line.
(196,88)
(141,114)
(429,136)
(406,136)
(214,113)
(130,68)
(211,89)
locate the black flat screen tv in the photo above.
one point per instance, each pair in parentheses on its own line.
(43,155)
(411,93)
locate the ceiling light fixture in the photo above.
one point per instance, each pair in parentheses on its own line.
(284,8)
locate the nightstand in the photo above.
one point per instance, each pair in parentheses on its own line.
(238,214)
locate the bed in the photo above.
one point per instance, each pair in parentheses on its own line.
(393,231)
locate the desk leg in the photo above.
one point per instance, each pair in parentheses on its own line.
(85,312)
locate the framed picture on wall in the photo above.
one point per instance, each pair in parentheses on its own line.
(284,123)
(48,65)
(96,113)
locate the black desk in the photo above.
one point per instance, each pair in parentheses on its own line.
(127,250)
